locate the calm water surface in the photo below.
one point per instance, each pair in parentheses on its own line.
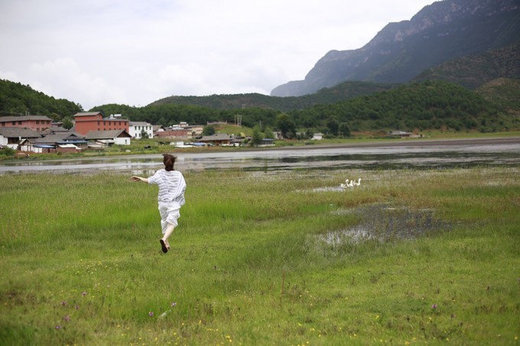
(416,154)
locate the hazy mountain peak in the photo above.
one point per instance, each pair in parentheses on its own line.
(439,32)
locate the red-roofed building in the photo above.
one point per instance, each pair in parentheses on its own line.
(94,121)
(33,122)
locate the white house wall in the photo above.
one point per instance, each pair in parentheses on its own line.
(31,148)
(122,141)
(135,131)
(3,140)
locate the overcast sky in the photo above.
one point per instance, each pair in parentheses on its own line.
(132,52)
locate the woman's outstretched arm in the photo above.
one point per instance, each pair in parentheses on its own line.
(136,178)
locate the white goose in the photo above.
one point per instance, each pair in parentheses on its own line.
(350,183)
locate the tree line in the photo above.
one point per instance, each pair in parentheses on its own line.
(424,105)
(340,92)
(19,99)
(420,105)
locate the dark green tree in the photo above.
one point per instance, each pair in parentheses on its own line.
(285,125)
(268,133)
(67,123)
(208,130)
(309,133)
(257,137)
(344,130)
(333,126)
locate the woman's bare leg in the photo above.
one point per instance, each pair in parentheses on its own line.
(167,233)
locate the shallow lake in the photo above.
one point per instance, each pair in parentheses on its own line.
(388,155)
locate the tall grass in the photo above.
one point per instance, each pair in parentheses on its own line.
(81,261)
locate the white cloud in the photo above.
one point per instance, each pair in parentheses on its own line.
(135,52)
(65,77)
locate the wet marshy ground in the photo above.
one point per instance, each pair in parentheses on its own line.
(384,223)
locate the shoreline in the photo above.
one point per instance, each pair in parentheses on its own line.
(416,153)
(416,143)
(406,143)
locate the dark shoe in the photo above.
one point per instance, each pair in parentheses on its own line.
(163,246)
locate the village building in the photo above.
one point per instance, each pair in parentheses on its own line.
(33,122)
(108,138)
(191,130)
(317,136)
(94,121)
(67,148)
(175,133)
(140,129)
(12,137)
(157,129)
(54,129)
(196,130)
(218,139)
(278,135)
(28,145)
(399,134)
(61,142)
(267,142)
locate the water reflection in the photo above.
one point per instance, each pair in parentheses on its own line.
(448,154)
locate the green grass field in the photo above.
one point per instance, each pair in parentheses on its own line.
(252,261)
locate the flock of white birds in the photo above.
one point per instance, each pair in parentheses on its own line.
(350,183)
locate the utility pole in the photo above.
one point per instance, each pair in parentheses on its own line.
(238,119)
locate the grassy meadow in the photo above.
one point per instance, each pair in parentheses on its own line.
(263,258)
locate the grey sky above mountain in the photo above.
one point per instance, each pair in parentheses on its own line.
(134,52)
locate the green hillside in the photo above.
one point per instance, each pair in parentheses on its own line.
(331,95)
(425,105)
(168,114)
(422,105)
(16,98)
(476,70)
(504,92)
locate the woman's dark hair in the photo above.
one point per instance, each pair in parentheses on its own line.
(169,161)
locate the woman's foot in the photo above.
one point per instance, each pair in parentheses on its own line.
(164,247)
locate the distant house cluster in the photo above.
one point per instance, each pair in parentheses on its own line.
(184,135)
(91,130)
(37,133)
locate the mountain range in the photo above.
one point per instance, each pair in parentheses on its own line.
(442,31)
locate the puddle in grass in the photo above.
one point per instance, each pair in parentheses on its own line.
(385,223)
(327,189)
